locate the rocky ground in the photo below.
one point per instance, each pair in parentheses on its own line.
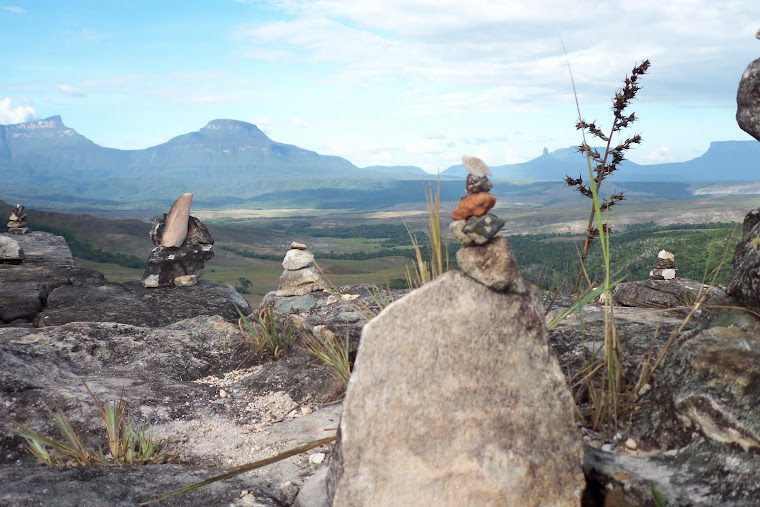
(185,370)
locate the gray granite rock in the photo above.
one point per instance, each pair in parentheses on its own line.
(493,265)
(10,251)
(744,281)
(430,418)
(748,100)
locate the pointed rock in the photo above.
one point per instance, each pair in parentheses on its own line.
(175,228)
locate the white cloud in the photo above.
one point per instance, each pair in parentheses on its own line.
(295,121)
(18,114)
(661,154)
(509,54)
(70,90)
(13,9)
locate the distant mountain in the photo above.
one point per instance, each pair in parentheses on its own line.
(723,161)
(231,163)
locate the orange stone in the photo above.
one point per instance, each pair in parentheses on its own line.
(474,205)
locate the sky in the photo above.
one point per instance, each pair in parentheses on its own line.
(391,82)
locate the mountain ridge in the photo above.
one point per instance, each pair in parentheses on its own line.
(233,161)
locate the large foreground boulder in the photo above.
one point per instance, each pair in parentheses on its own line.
(455,399)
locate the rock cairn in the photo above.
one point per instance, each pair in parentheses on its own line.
(665,268)
(485,258)
(17,223)
(485,424)
(183,246)
(301,276)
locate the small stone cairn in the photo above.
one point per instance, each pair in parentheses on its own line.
(183,246)
(17,224)
(665,268)
(489,261)
(301,276)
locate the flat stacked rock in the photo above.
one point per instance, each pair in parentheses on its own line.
(301,276)
(183,246)
(17,223)
(487,259)
(665,268)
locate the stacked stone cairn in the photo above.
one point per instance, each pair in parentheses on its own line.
(665,268)
(183,246)
(17,224)
(301,276)
(484,257)
(436,420)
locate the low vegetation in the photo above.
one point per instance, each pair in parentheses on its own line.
(270,334)
(128,444)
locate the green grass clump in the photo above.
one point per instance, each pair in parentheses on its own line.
(128,444)
(331,350)
(271,335)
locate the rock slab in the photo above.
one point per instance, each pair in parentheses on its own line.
(455,399)
(744,281)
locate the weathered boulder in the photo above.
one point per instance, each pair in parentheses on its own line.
(456,400)
(744,281)
(748,100)
(653,293)
(131,303)
(24,288)
(493,265)
(709,384)
(10,251)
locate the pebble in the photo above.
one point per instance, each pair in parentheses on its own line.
(631,444)
(317,458)
(223,393)
(608,448)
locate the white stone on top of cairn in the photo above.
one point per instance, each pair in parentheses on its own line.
(665,255)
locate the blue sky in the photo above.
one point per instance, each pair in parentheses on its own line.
(392,82)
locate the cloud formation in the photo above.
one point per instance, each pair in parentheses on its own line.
(18,114)
(13,9)
(69,90)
